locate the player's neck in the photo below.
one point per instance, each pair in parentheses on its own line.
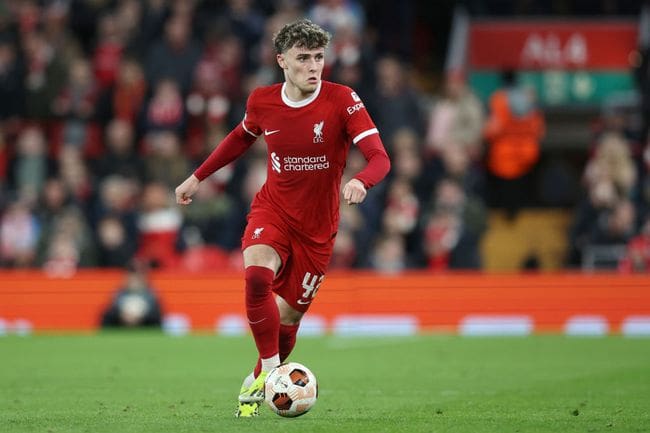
(294,94)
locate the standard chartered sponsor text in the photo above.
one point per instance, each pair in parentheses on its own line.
(305,163)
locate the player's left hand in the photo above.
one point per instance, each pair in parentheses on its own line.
(354,191)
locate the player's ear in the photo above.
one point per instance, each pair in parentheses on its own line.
(281,62)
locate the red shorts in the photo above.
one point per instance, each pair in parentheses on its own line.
(303,263)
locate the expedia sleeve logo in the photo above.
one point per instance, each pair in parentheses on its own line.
(356,107)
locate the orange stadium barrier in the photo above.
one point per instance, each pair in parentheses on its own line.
(355,302)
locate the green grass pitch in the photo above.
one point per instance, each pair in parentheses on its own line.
(149,382)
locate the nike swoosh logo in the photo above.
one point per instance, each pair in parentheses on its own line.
(301,302)
(255,323)
(267,132)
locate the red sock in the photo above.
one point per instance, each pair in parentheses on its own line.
(262,311)
(287,342)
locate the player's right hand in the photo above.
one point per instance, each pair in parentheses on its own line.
(354,192)
(187,189)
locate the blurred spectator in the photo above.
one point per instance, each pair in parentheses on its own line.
(458,165)
(118,196)
(220,70)
(612,162)
(19,232)
(402,208)
(217,87)
(125,98)
(214,216)
(456,120)
(55,199)
(74,172)
(31,165)
(12,89)
(66,244)
(344,254)
(45,75)
(56,28)
(454,137)
(62,222)
(394,104)
(441,235)
(389,254)
(129,17)
(400,216)
(135,304)
(453,228)
(247,25)
(601,198)
(159,226)
(27,15)
(150,24)
(165,162)
(351,74)
(114,246)
(175,56)
(364,221)
(513,131)
(120,156)
(351,240)
(75,104)
(108,52)
(335,14)
(61,257)
(410,165)
(165,111)
(603,216)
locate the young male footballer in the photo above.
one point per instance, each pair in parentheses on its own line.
(308,125)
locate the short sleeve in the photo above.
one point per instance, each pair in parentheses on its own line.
(358,123)
(251,122)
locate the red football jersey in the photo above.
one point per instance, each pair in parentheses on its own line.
(308,144)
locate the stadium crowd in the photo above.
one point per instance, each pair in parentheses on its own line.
(106,106)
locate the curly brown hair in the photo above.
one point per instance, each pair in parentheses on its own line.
(301,33)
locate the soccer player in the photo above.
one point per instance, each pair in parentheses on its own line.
(308,125)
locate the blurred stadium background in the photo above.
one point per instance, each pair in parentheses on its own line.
(105,106)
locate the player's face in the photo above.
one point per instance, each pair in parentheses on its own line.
(303,68)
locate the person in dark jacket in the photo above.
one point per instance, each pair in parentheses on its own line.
(135,303)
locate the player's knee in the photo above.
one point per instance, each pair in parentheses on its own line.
(258,280)
(262,255)
(289,316)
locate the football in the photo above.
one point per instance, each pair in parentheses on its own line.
(291,389)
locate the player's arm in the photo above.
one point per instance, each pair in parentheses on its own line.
(377,168)
(231,148)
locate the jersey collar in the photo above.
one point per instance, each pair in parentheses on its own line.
(302,103)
